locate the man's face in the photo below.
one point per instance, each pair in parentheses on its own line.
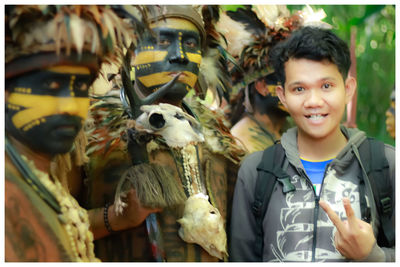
(45,109)
(175,48)
(315,95)
(268,91)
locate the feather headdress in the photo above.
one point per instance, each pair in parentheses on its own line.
(267,25)
(250,32)
(214,73)
(62,30)
(214,68)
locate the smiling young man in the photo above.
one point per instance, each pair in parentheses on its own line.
(323,207)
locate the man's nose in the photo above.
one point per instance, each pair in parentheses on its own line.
(177,54)
(68,105)
(314,98)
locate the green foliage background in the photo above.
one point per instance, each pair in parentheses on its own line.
(375,52)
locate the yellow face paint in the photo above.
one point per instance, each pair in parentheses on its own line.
(174,48)
(146,57)
(35,107)
(272,89)
(174,23)
(164,77)
(196,58)
(45,109)
(51,94)
(66,69)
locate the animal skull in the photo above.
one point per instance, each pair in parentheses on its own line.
(203,224)
(171,122)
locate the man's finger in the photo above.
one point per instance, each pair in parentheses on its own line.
(332,216)
(351,218)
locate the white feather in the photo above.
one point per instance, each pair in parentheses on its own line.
(235,33)
(77,28)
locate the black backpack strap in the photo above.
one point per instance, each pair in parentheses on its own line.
(372,153)
(269,171)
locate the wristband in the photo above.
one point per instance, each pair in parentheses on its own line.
(106,222)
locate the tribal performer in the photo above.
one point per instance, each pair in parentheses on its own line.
(53,54)
(166,159)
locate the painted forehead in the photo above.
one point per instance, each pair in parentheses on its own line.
(58,81)
(69,69)
(175,23)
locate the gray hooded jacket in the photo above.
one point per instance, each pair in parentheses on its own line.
(291,218)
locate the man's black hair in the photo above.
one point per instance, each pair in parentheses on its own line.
(314,44)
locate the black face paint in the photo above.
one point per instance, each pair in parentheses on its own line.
(160,57)
(51,83)
(45,109)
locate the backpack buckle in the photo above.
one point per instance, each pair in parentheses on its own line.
(287,186)
(386,204)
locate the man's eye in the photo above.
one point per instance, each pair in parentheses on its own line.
(191,43)
(326,86)
(298,89)
(53,85)
(81,86)
(164,42)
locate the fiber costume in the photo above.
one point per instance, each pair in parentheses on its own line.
(170,152)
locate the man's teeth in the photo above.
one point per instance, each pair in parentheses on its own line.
(316,116)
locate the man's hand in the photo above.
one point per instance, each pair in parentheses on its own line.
(133,214)
(354,238)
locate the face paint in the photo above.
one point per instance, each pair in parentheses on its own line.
(175,48)
(45,109)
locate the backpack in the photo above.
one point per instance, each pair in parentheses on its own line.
(270,171)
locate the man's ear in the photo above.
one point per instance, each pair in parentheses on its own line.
(280,92)
(261,87)
(350,87)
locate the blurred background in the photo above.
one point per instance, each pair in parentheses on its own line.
(373,30)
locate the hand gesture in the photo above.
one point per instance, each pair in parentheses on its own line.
(354,238)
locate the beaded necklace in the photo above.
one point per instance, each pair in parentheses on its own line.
(190,161)
(74,218)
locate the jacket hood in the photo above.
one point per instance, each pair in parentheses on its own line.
(354,137)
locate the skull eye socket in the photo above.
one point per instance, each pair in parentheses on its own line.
(156,120)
